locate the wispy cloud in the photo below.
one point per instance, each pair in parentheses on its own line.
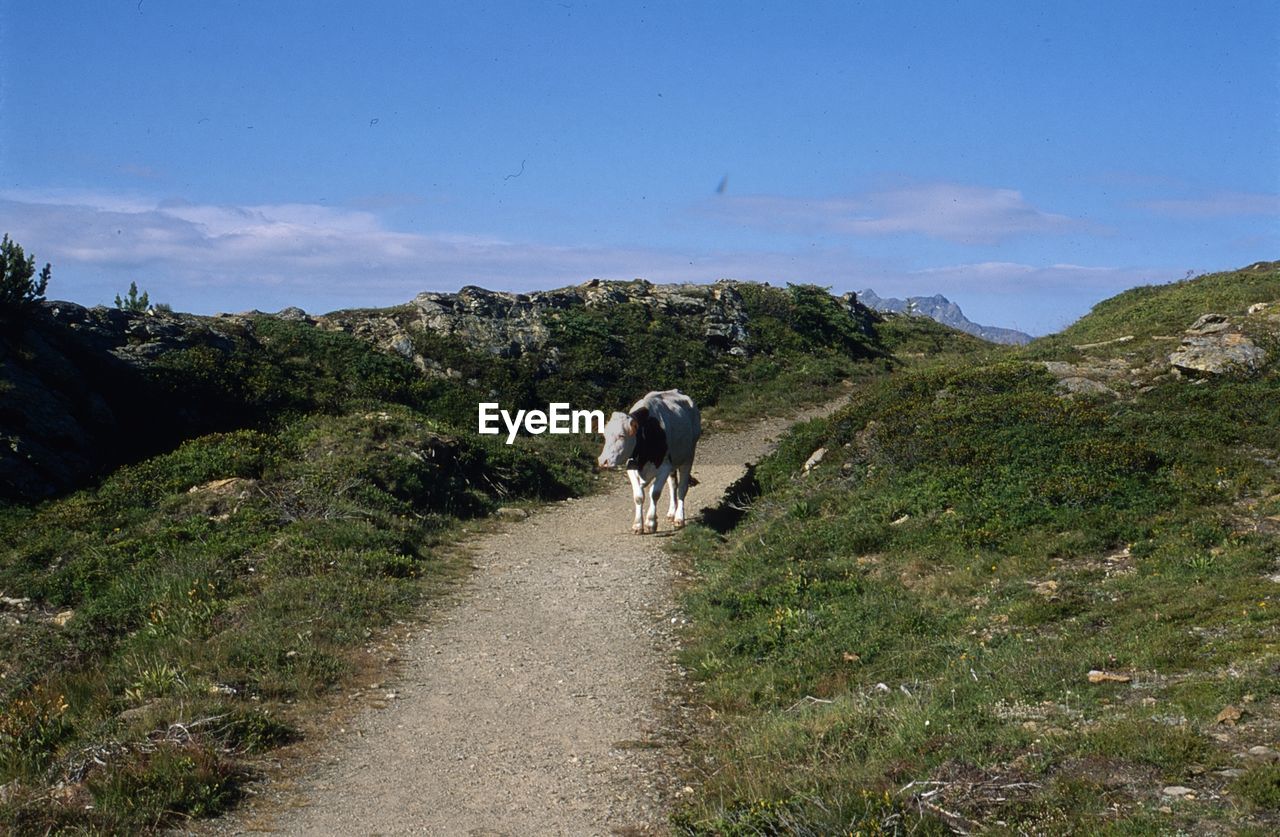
(1024,278)
(312,255)
(140,171)
(1218,205)
(207,257)
(951,211)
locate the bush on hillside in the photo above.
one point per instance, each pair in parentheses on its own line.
(134,301)
(20,287)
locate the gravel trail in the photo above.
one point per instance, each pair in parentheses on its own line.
(534,702)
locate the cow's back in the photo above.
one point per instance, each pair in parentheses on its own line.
(680,418)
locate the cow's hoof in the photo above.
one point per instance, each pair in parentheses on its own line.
(671,516)
(679,524)
(637,529)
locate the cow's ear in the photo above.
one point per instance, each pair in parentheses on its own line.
(631,427)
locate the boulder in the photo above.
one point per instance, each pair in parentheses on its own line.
(1213,345)
(814,459)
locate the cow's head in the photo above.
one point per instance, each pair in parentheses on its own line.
(619,441)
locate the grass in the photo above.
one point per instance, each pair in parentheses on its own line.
(1153,316)
(181,612)
(914,621)
(190,611)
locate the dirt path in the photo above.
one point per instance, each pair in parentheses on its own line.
(533,704)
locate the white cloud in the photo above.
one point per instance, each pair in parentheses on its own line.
(1024,278)
(251,256)
(1218,205)
(206,258)
(950,211)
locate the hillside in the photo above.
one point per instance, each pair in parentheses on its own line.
(1154,312)
(216,518)
(1010,588)
(88,390)
(1006,599)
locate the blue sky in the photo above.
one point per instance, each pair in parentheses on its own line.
(1024,159)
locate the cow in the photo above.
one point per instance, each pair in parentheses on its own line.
(655,442)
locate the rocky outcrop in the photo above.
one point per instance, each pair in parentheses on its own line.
(1215,345)
(1093,378)
(509,324)
(76,396)
(83,390)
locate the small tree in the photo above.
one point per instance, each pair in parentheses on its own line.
(133,302)
(18,288)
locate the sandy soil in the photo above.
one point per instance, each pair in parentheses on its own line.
(534,704)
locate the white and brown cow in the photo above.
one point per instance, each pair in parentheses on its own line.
(655,442)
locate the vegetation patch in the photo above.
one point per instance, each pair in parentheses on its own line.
(163,628)
(996,606)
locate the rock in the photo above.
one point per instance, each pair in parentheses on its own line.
(1210,324)
(1097,676)
(137,713)
(219,499)
(1086,346)
(814,459)
(1217,355)
(1177,791)
(511,513)
(511,325)
(1266,755)
(1089,379)
(403,346)
(1048,589)
(83,394)
(865,442)
(62,617)
(1213,345)
(1229,716)
(231,486)
(1086,386)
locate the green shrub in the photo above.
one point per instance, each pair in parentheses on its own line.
(20,287)
(133,302)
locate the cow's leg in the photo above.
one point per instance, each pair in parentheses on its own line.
(655,494)
(671,491)
(682,488)
(637,494)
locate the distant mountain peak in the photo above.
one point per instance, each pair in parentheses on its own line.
(938,307)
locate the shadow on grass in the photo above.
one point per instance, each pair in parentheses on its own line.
(725,516)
